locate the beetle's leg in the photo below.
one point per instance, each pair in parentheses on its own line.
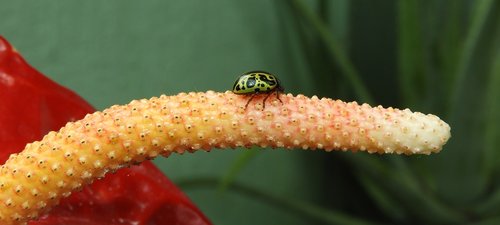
(278,96)
(249,100)
(264,101)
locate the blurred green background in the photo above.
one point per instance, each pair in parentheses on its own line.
(439,57)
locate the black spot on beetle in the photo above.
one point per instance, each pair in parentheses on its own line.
(264,78)
(250,82)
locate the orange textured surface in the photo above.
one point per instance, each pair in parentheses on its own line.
(34,180)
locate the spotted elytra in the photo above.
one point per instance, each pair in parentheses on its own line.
(258,82)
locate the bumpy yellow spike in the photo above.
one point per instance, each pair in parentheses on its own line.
(34,180)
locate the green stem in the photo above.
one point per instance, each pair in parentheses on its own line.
(242,160)
(295,206)
(335,49)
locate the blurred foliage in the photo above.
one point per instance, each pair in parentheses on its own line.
(440,57)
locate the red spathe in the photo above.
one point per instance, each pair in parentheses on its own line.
(31,105)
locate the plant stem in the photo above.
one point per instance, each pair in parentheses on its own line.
(242,160)
(306,209)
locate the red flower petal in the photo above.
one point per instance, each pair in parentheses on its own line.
(32,105)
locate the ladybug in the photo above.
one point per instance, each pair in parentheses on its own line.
(258,82)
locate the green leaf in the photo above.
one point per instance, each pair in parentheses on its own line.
(335,49)
(411,47)
(449,44)
(487,221)
(491,155)
(387,204)
(482,8)
(489,206)
(396,178)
